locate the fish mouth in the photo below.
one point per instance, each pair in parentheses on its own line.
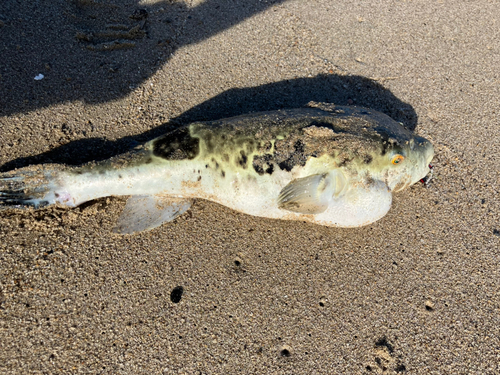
(427,179)
(410,180)
(425,150)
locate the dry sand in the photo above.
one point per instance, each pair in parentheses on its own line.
(417,292)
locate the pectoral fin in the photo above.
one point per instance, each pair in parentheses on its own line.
(145,212)
(312,194)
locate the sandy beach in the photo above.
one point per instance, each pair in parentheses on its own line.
(217,291)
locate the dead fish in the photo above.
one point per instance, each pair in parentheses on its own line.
(326,164)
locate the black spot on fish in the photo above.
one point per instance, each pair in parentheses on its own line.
(290,156)
(216,163)
(242,160)
(206,165)
(258,169)
(367,159)
(177,145)
(225,158)
(102,171)
(78,172)
(223,174)
(199,178)
(285,166)
(263,164)
(120,176)
(149,161)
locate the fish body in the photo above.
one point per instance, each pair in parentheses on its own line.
(330,165)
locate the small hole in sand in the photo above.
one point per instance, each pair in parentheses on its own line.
(176,294)
(285,353)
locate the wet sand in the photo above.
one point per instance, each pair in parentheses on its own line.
(417,292)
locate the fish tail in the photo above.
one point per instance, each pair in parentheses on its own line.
(33,186)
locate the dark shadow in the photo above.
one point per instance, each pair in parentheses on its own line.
(98,50)
(331,88)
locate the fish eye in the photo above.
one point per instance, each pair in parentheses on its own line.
(397,159)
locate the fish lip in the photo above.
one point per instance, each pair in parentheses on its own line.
(427,148)
(428,177)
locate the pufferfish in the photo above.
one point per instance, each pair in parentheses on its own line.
(325,164)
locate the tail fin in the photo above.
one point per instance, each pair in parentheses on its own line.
(32,186)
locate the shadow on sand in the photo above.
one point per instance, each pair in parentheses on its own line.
(99,50)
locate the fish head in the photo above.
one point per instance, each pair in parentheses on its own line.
(405,163)
(371,148)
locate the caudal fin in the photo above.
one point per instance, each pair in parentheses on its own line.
(28,187)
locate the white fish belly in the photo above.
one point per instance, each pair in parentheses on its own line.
(258,195)
(357,207)
(244,192)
